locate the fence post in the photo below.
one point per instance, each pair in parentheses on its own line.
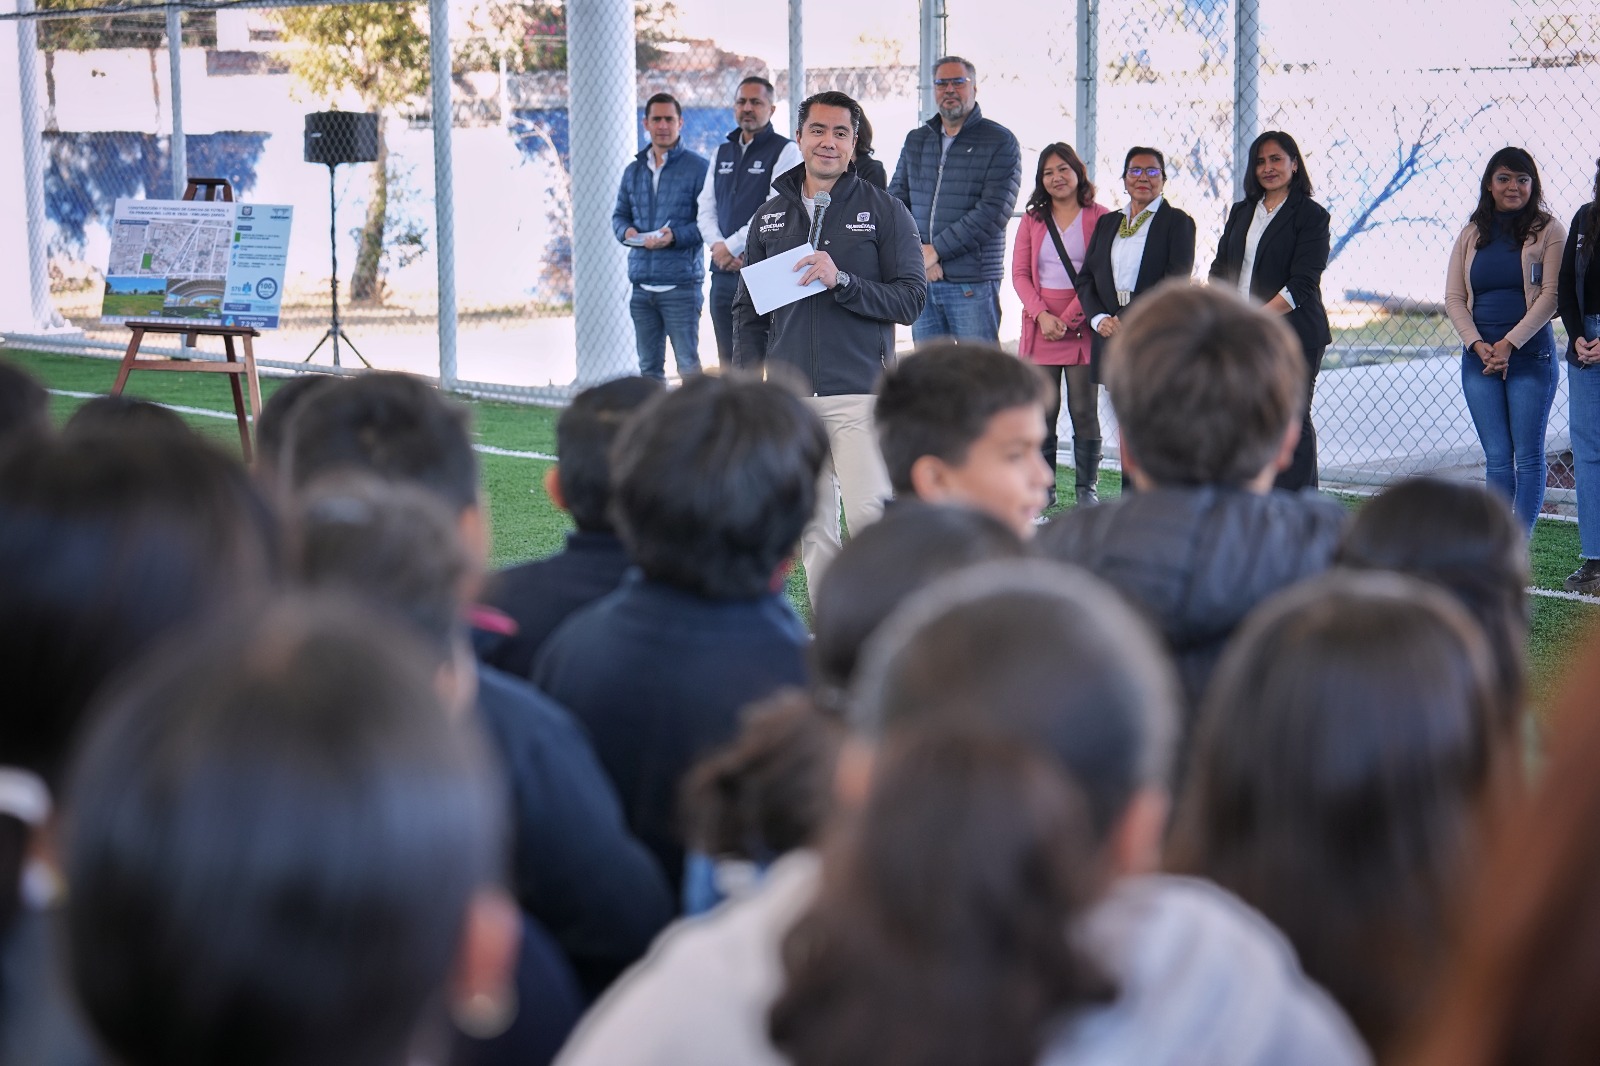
(1246,87)
(444,214)
(930,47)
(178,146)
(797,57)
(1088,78)
(31,162)
(602,117)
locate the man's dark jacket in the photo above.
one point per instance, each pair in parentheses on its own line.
(840,341)
(1197,560)
(963,210)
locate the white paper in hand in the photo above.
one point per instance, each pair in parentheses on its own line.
(774,283)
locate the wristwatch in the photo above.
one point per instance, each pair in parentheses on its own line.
(842,280)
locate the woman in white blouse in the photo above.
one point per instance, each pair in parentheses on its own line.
(1274,250)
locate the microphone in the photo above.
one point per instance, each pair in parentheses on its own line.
(822,201)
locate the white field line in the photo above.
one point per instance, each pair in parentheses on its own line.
(489,449)
(486,449)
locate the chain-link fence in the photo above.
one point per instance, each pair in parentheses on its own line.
(1396,107)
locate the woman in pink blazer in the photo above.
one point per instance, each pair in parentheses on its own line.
(1051,241)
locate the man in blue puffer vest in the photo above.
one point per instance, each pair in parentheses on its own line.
(959,174)
(657,215)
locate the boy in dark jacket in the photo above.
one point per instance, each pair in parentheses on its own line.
(575,866)
(538,596)
(1207,391)
(657,216)
(712,485)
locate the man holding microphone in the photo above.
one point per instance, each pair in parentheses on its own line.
(867,256)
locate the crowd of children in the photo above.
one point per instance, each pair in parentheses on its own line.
(1208,773)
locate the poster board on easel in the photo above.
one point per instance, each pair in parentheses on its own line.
(197,262)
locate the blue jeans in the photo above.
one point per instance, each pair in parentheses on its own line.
(1510,416)
(1583,405)
(965,310)
(659,315)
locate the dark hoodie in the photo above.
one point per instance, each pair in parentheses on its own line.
(1197,560)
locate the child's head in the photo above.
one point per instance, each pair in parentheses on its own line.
(275,422)
(714,482)
(104,551)
(24,405)
(397,428)
(393,547)
(580,483)
(123,414)
(392,426)
(881,567)
(1347,748)
(1050,655)
(1463,538)
(1208,390)
(963,424)
(282,852)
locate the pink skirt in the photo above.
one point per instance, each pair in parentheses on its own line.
(1071,350)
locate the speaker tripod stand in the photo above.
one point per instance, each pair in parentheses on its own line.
(335,332)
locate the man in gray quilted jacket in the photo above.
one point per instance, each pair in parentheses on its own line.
(959,173)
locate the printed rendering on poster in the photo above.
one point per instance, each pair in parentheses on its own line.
(209,262)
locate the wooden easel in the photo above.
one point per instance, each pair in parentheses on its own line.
(215,189)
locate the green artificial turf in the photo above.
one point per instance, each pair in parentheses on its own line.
(526,525)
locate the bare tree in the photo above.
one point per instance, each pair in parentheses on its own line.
(1415,155)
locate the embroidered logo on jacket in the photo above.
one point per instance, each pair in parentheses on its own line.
(865,216)
(725,167)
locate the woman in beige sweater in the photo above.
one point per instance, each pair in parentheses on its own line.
(1500,294)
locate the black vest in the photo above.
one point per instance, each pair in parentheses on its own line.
(743,179)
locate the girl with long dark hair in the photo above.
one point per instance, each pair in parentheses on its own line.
(1350,745)
(1500,293)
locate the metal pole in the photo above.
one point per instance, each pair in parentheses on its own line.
(797,59)
(930,47)
(1088,78)
(1246,86)
(43,312)
(179,144)
(603,119)
(443,186)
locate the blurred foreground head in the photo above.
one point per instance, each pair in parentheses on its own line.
(1347,752)
(281,850)
(1521,980)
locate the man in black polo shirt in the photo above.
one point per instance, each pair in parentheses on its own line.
(739,181)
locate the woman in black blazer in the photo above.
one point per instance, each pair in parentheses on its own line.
(1283,234)
(1145,243)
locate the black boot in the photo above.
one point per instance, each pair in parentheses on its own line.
(1086,470)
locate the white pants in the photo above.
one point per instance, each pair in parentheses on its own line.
(854,468)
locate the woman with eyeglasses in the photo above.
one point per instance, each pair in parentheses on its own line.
(1046,267)
(1135,249)
(1500,293)
(1274,249)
